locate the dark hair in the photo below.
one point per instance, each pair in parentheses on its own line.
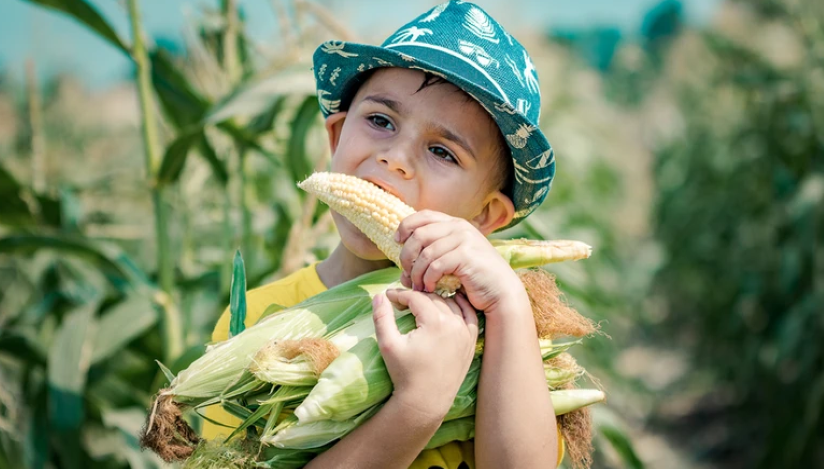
(503,173)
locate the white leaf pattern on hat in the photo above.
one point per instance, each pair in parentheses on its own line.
(481,56)
(508,37)
(524,106)
(541,161)
(361,67)
(321,71)
(330,106)
(479,24)
(407,58)
(515,70)
(505,107)
(521,136)
(529,75)
(336,47)
(335,74)
(538,195)
(436,12)
(521,174)
(382,62)
(411,34)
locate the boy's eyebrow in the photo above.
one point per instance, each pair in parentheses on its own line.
(395,106)
(456,138)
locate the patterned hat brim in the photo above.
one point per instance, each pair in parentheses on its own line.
(532,156)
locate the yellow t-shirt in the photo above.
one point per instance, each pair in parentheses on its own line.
(290,291)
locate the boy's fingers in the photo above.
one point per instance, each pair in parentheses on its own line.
(419,240)
(468,311)
(392,295)
(386,330)
(448,263)
(429,256)
(417,220)
(419,304)
(405,279)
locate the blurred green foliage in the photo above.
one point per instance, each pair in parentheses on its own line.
(739,214)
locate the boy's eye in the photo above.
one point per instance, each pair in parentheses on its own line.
(381,121)
(443,154)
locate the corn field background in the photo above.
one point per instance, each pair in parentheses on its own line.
(690,156)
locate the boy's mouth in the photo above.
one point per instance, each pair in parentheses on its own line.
(386,187)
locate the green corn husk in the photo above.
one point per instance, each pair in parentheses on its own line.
(462,429)
(223,366)
(525,253)
(354,382)
(566,400)
(358,380)
(293,434)
(299,371)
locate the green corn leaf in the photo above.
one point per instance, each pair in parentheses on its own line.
(258,414)
(182,104)
(237,300)
(68,365)
(271,309)
(166,371)
(298,161)
(117,274)
(208,153)
(23,344)
(123,323)
(255,97)
(622,445)
(175,157)
(87,15)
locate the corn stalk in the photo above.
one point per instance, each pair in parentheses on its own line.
(172,329)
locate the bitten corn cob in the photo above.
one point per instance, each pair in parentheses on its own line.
(378,214)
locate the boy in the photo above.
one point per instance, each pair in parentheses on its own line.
(444,116)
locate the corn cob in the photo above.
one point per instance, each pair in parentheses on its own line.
(378,214)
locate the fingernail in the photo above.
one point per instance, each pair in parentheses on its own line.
(397,236)
(377,300)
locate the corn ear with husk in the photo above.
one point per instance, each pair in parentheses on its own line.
(224,365)
(293,434)
(358,380)
(273,366)
(378,214)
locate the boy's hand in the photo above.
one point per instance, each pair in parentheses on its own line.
(427,365)
(436,244)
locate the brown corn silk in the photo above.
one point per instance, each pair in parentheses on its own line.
(554,317)
(576,428)
(318,351)
(166,432)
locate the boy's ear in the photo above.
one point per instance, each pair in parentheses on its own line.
(334,126)
(497,212)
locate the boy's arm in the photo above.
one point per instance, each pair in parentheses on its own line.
(392,438)
(515,421)
(427,367)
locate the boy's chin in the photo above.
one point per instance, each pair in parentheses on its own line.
(356,242)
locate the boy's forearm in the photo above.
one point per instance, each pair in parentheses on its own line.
(515,422)
(392,438)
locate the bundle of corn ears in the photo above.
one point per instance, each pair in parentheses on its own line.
(303,377)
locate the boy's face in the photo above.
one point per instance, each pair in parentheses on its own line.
(435,149)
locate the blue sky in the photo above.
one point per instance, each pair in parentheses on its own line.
(57,43)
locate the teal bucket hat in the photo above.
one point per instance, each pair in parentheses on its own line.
(461,43)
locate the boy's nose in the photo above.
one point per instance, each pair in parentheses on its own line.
(397,158)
